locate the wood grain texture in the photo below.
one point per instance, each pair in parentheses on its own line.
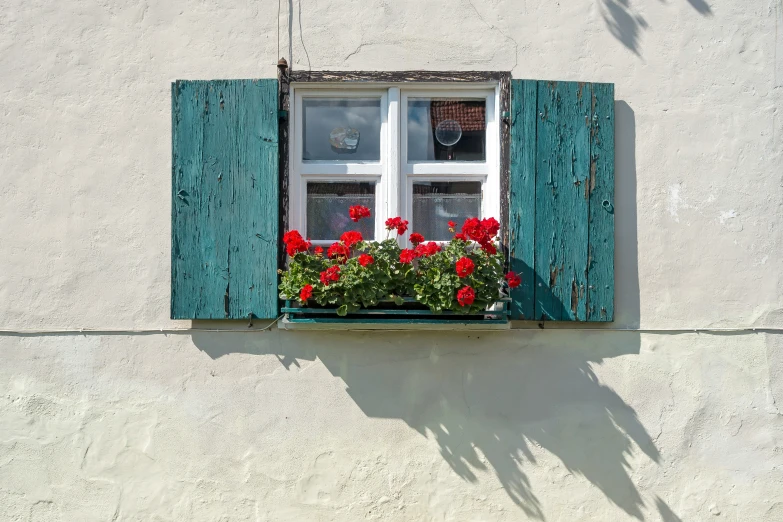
(563,165)
(600,266)
(224,199)
(522,195)
(397,76)
(561,200)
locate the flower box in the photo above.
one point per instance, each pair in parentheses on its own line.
(389,313)
(459,282)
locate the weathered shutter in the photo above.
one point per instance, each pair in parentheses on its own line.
(225,199)
(561,204)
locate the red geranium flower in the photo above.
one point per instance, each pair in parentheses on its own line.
(489,248)
(397,222)
(306,292)
(318,251)
(427,250)
(351,237)
(472,228)
(338,250)
(460,236)
(292,236)
(452,224)
(466,296)
(491,226)
(513,280)
(407,256)
(358,212)
(331,274)
(465,267)
(416,238)
(366,259)
(294,243)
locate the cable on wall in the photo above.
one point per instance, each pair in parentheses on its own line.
(186,331)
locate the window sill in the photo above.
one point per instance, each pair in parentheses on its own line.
(407,317)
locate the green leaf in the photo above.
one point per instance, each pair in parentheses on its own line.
(342,311)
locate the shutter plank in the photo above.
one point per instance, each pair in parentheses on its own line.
(600,268)
(562,165)
(225,199)
(522,186)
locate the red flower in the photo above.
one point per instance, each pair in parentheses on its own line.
(366,259)
(330,275)
(465,267)
(338,250)
(489,248)
(427,250)
(351,237)
(407,256)
(460,236)
(294,243)
(491,226)
(292,236)
(318,251)
(513,280)
(473,229)
(306,292)
(452,224)
(358,212)
(466,296)
(397,222)
(416,238)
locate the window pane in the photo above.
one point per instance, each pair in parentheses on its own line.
(446,129)
(327,209)
(347,129)
(437,203)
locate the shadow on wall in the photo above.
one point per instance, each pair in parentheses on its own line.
(626,255)
(626,25)
(490,400)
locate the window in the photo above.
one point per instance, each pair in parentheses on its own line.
(427,153)
(254,158)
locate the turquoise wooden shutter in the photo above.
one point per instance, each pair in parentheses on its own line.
(225,199)
(561,203)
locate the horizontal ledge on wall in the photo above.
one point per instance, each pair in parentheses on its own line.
(241,327)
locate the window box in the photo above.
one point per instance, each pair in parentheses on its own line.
(388,315)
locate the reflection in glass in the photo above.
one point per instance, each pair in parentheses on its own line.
(437,203)
(446,129)
(347,129)
(327,209)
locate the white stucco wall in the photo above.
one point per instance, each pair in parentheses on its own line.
(130,424)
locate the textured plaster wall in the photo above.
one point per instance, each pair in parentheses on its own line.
(555,425)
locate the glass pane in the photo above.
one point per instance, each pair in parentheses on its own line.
(446,129)
(347,129)
(327,209)
(437,203)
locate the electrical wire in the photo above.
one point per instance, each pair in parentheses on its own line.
(186,331)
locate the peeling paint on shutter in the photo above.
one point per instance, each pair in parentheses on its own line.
(561,203)
(225,197)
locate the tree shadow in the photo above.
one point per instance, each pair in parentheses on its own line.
(627,26)
(491,401)
(701,7)
(667,515)
(623,24)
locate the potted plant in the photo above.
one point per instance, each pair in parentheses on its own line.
(463,276)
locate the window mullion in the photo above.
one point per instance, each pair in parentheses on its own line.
(393,170)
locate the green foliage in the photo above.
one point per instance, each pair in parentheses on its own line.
(432,280)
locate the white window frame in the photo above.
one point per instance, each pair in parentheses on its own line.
(393,174)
